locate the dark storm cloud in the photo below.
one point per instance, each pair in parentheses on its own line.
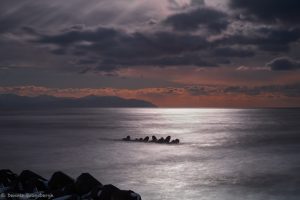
(277,39)
(284,64)
(270,39)
(113,42)
(7,24)
(186,59)
(287,11)
(233,52)
(111,34)
(58,51)
(87,61)
(162,61)
(115,48)
(203,17)
(77,35)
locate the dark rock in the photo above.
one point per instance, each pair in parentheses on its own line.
(127,138)
(154,139)
(95,193)
(60,180)
(7,177)
(110,192)
(161,140)
(146,139)
(61,186)
(27,175)
(69,197)
(86,183)
(65,191)
(30,182)
(176,141)
(167,140)
(126,195)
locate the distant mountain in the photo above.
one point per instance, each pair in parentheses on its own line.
(9,101)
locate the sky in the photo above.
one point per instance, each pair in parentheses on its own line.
(173,53)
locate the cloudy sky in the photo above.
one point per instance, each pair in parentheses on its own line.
(174,53)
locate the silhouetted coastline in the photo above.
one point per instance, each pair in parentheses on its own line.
(12,101)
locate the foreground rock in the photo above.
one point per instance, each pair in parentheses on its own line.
(29,185)
(154,139)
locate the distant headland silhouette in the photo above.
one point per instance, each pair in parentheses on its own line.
(11,101)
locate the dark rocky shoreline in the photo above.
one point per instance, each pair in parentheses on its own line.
(29,185)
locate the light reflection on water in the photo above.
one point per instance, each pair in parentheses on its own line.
(224,154)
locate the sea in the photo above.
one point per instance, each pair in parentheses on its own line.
(224,154)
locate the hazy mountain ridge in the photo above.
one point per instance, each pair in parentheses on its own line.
(8,101)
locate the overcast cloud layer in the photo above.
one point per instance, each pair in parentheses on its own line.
(113,39)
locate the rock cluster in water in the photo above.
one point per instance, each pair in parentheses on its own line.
(29,185)
(154,139)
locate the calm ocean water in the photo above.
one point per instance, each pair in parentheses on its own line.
(226,154)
